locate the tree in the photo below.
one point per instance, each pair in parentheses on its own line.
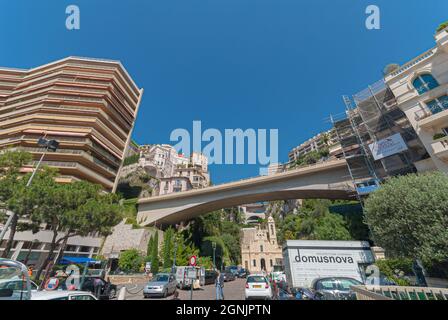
(167,249)
(74,209)
(130,261)
(391,67)
(155,254)
(149,247)
(313,222)
(408,216)
(10,182)
(442,26)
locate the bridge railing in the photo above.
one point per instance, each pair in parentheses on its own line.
(399,293)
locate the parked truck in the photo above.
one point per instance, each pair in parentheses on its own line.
(307,260)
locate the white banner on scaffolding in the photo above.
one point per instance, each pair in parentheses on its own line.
(388,146)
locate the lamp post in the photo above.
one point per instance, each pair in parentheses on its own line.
(173,268)
(48,145)
(214,249)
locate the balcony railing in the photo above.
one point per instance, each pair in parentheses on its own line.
(431,110)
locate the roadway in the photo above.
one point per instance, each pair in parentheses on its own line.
(233,290)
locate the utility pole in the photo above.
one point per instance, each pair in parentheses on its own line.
(214,249)
(49,145)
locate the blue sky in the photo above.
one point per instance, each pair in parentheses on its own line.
(271,64)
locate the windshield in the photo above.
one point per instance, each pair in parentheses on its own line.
(13,281)
(345,284)
(253,279)
(161,278)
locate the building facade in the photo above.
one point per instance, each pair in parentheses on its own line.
(324,140)
(259,248)
(421,89)
(88,105)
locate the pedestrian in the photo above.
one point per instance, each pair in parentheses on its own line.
(175,295)
(219,284)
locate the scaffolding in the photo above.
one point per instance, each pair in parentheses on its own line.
(372,115)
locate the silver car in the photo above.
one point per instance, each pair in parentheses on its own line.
(163,284)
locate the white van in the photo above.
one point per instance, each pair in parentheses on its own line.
(306,260)
(183,282)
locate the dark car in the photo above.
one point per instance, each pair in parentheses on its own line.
(107,290)
(334,288)
(210,276)
(229,276)
(242,273)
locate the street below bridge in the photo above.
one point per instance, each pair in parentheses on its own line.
(233,290)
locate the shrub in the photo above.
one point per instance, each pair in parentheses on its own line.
(130,261)
(131,160)
(442,26)
(439,136)
(396,269)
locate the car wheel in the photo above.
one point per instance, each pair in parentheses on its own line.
(112,293)
(165,293)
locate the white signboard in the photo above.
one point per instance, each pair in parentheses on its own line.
(388,146)
(191,273)
(305,262)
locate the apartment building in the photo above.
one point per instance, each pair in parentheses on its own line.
(88,105)
(421,90)
(159,160)
(321,141)
(175,171)
(399,124)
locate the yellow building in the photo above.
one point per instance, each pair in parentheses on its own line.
(259,248)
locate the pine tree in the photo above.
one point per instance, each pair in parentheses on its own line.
(155,254)
(167,248)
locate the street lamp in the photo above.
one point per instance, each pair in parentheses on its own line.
(51,145)
(214,249)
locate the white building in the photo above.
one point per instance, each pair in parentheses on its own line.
(421,89)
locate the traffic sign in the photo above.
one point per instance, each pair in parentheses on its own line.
(193,260)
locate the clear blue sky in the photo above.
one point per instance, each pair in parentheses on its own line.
(281,64)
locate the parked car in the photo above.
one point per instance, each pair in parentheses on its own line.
(163,284)
(258,287)
(62,295)
(242,273)
(229,276)
(210,276)
(15,283)
(334,288)
(108,290)
(232,269)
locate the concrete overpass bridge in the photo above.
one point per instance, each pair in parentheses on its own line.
(327,180)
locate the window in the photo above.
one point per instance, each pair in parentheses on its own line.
(82,297)
(271,263)
(438,105)
(425,83)
(254,263)
(261,248)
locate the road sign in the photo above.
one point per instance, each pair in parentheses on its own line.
(193,260)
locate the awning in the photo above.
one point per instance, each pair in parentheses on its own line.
(77,260)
